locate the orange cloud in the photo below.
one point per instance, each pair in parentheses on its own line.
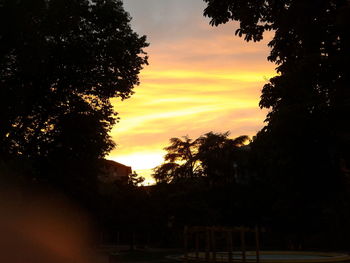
(202,80)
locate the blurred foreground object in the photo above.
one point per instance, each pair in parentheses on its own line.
(45,229)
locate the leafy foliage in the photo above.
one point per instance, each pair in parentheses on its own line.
(219,155)
(62,61)
(310,95)
(302,154)
(180,161)
(212,155)
(135,180)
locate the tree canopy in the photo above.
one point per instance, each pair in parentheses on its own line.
(61,63)
(220,156)
(180,161)
(302,154)
(212,155)
(308,100)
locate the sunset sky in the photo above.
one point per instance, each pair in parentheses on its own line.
(200,79)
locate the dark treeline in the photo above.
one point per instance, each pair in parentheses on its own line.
(215,180)
(301,156)
(61,64)
(296,179)
(62,61)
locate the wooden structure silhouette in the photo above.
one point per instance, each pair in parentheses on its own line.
(210,250)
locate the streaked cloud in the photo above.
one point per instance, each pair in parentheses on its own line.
(200,79)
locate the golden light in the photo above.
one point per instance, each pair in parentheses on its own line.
(142,163)
(200,79)
(244,76)
(141,160)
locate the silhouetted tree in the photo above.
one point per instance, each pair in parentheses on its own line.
(307,137)
(61,63)
(310,95)
(218,194)
(212,155)
(135,180)
(180,161)
(219,155)
(166,172)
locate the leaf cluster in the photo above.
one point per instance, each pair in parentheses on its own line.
(61,63)
(212,155)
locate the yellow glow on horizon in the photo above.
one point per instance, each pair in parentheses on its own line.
(142,163)
(200,80)
(140,160)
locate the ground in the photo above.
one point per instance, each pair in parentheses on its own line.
(146,255)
